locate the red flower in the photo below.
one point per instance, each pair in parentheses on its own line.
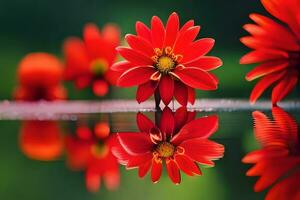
(276,47)
(91,151)
(41,140)
(40,76)
(278,159)
(178,141)
(168,61)
(88,62)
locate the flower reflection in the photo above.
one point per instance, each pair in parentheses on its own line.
(90,150)
(88,62)
(41,140)
(40,77)
(278,161)
(177,139)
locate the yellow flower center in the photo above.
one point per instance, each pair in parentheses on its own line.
(99,66)
(99,150)
(165,60)
(165,149)
(165,64)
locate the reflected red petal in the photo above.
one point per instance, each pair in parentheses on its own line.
(173,171)
(167,122)
(187,165)
(156,170)
(144,123)
(135,143)
(143,169)
(199,128)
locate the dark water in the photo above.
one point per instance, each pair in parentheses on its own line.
(41,173)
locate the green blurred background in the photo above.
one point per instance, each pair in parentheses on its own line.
(40,25)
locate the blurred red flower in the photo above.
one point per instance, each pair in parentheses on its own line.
(40,76)
(276,47)
(178,140)
(88,62)
(90,150)
(41,140)
(167,61)
(279,158)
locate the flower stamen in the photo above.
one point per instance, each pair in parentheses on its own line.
(165,149)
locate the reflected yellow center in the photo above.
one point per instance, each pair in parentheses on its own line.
(99,150)
(165,149)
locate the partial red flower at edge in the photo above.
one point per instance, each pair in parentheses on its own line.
(278,160)
(90,150)
(88,61)
(167,61)
(276,47)
(177,141)
(40,77)
(41,140)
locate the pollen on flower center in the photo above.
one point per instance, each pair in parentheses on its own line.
(165,149)
(165,64)
(165,60)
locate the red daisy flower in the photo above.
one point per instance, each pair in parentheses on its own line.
(276,47)
(91,151)
(178,141)
(279,157)
(41,140)
(40,76)
(167,61)
(88,62)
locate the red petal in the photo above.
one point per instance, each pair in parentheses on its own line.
(144,123)
(100,88)
(206,63)
(263,55)
(199,128)
(172,29)
(134,56)
(157,32)
(285,86)
(197,49)
(181,93)
(202,150)
(166,89)
(186,26)
(187,165)
(146,90)
(143,31)
(263,84)
(112,179)
(185,39)
(139,44)
(143,169)
(77,61)
(180,116)
(111,33)
(136,161)
(266,68)
(173,171)
(122,66)
(92,181)
(167,122)
(191,95)
(136,76)
(195,78)
(135,143)
(156,169)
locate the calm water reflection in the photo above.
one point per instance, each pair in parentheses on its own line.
(66,159)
